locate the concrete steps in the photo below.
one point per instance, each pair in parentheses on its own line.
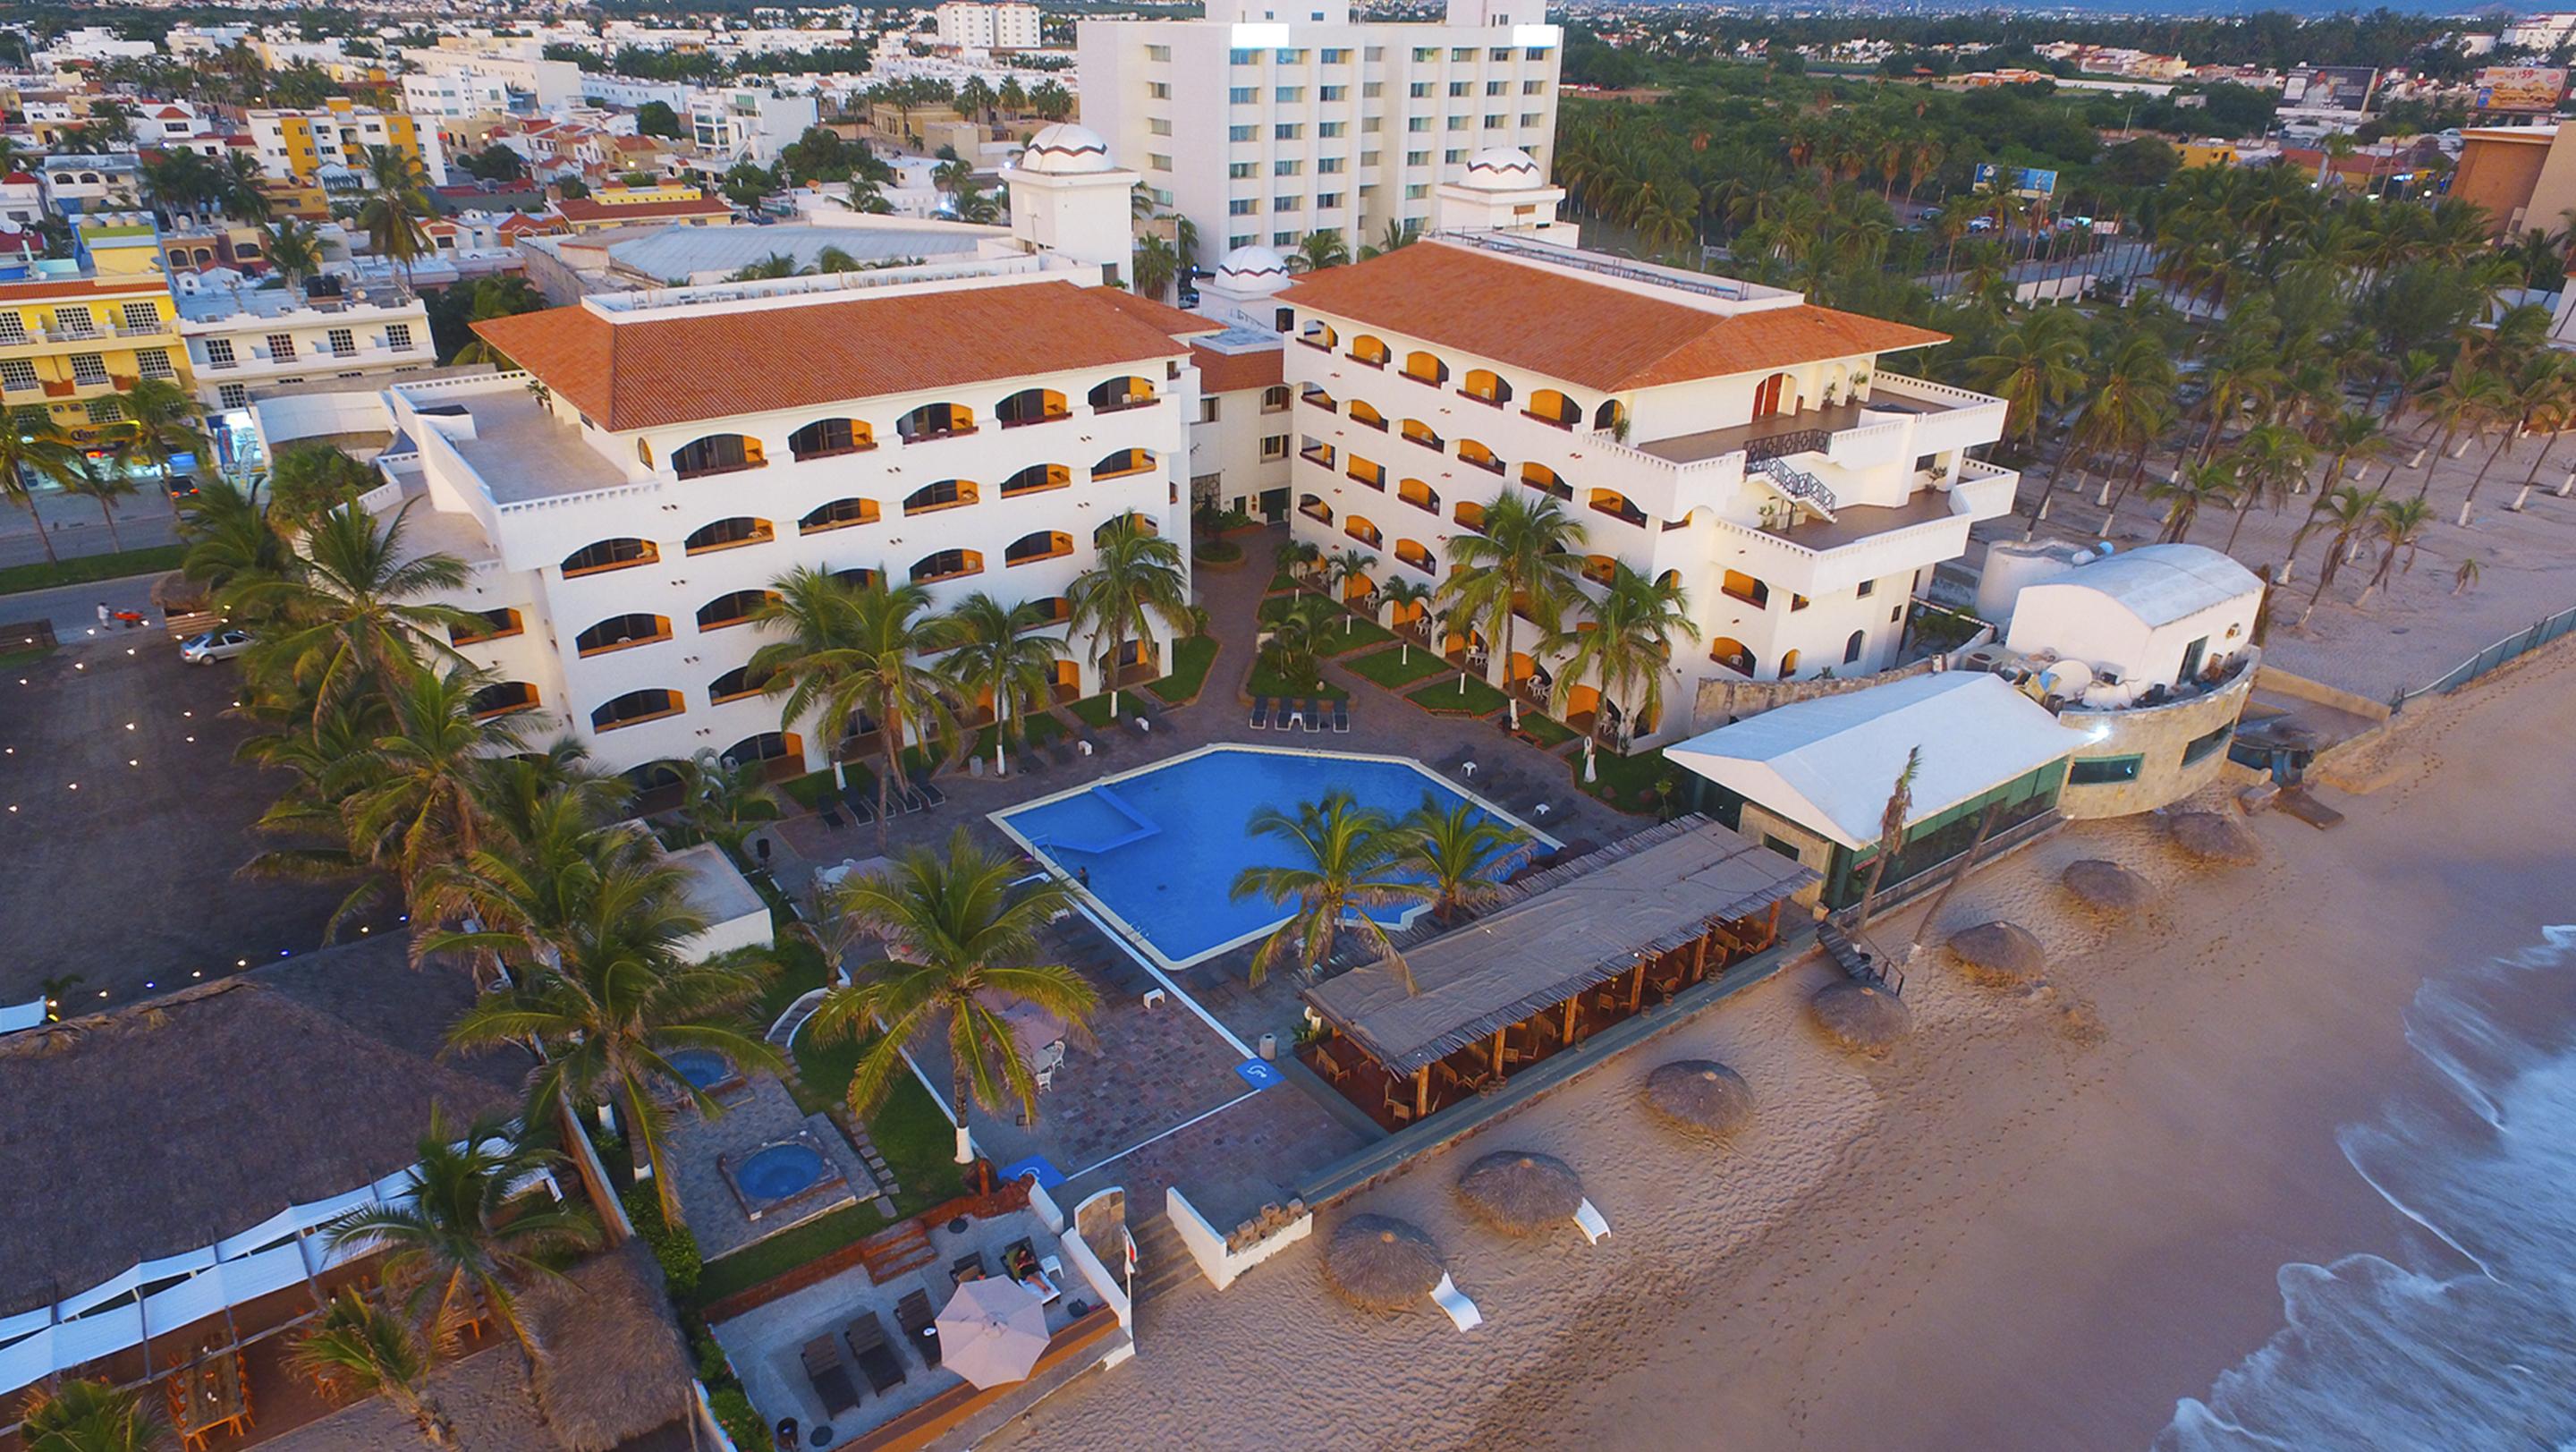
(1162,1262)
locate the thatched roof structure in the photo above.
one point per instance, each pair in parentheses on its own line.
(2215,837)
(1555,934)
(1520,1192)
(1381,1263)
(161,1127)
(1862,1016)
(2107,886)
(1999,952)
(614,1367)
(1699,1095)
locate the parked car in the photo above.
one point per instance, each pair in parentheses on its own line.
(215,645)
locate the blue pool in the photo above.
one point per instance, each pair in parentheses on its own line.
(1161,846)
(704,1068)
(779,1171)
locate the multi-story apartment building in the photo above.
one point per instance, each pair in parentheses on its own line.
(69,345)
(329,145)
(1730,437)
(81,182)
(1265,122)
(239,341)
(1010,25)
(748,123)
(473,65)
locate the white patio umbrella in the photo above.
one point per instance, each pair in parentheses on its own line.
(992,1331)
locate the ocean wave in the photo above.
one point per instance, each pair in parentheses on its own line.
(2460,1356)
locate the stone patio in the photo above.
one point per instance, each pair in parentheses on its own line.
(759,1113)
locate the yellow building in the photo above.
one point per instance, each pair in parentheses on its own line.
(70,345)
(639,196)
(323,145)
(2208,153)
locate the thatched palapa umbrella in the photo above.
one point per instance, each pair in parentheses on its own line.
(2214,837)
(1862,1016)
(1999,952)
(2107,886)
(1521,1193)
(1381,1263)
(1699,1095)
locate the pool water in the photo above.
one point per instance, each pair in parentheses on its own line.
(779,1171)
(1161,847)
(704,1068)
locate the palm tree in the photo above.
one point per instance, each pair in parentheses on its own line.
(1346,860)
(2192,487)
(1891,834)
(611,997)
(1398,234)
(104,482)
(957,932)
(2036,362)
(1002,659)
(2399,523)
(1134,581)
(371,1352)
(2537,389)
(32,445)
(1404,597)
(91,1416)
(2268,460)
(855,653)
(229,536)
(462,1235)
(1626,651)
(1458,850)
(722,800)
(295,249)
(346,612)
(1155,266)
(391,217)
(160,422)
(1319,249)
(421,805)
(1339,570)
(1293,649)
(2471,398)
(1524,561)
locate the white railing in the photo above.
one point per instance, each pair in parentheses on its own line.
(1928,391)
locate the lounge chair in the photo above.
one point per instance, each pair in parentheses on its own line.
(927,791)
(1260,713)
(920,1326)
(867,1338)
(1061,751)
(969,1267)
(862,803)
(1300,712)
(1342,717)
(829,1375)
(1454,1301)
(831,818)
(1594,1227)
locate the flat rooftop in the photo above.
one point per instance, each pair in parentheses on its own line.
(212,304)
(675,254)
(1853,523)
(523,452)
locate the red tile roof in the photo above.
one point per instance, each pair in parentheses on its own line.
(1234,372)
(75,286)
(1580,331)
(689,364)
(583,209)
(1159,315)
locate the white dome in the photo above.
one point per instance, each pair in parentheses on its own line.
(1065,149)
(1252,268)
(1503,169)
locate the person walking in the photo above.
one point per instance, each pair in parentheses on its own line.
(106,617)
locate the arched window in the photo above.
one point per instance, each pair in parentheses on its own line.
(935,421)
(1142,523)
(609,554)
(1486,386)
(1414,553)
(1122,393)
(1370,350)
(1037,478)
(494,625)
(1357,587)
(1424,434)
(1419,495)
(1599,568)
(1741,586)
(1615,504)
(1363,413)
(1853,647)
(947,565)
(501,698)
(1551,407)
(1544,479)
(1318,334)
(860,577)
(767,746)
(839,514)
(1471,451)
(1032,406)
(650,704)
(1314,508)
(1123,463)
(1044,611)
(716,454)
(1044,544)
(1363,531)
(727,534)
(825,437)
(946,494)
(1425,367)
(1468,514)
(1609,415)
(618,632)
(1788,664)
(733,685)
(1366,471)
(1314,396)
(1732,653)
(733,609)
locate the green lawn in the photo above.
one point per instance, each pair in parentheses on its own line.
(919,1145)
(1626,782)
(812,790)
(1092,711)
(785,1251)
(1445,698)
(1396,669)
(1275,609)
(1547,731)
(1030,731)
(82,569)
(1282,581)
(1267,682)
(11,659)
(1190,661)
(1354,633)
(1217,552)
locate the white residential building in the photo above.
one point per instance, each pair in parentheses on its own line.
(1010,25)
(1729,437)
(517,65)
(748,123)
(1267,121)
(634,94)
(240,340)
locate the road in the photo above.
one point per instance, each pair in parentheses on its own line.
(143,519)
(73,609)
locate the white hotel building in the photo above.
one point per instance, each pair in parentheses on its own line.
(1271,119)
(1734,437)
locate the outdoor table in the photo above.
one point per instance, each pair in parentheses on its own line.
(210,1395)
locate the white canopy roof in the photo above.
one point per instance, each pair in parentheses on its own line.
(2163,583)
(1828,764)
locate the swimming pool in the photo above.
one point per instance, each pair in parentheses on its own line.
(1161,845)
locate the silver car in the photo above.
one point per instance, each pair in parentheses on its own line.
(215,645)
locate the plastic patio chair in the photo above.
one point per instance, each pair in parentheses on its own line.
(1462,1312)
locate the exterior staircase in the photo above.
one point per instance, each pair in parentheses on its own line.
(891,1253)
(1162,1262)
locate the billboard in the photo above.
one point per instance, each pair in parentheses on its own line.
(2329,88)
(2521,88)
(2029,181)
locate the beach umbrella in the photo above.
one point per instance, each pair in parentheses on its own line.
(1700,1095)
(1381,1263)
(1999,952)
(992,1331)
(2106,886)
(1861,1015)
(1521,1193)
(2213,837)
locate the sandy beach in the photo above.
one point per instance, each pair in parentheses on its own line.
(2043,1221)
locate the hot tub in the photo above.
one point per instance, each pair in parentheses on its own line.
(782,1173)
